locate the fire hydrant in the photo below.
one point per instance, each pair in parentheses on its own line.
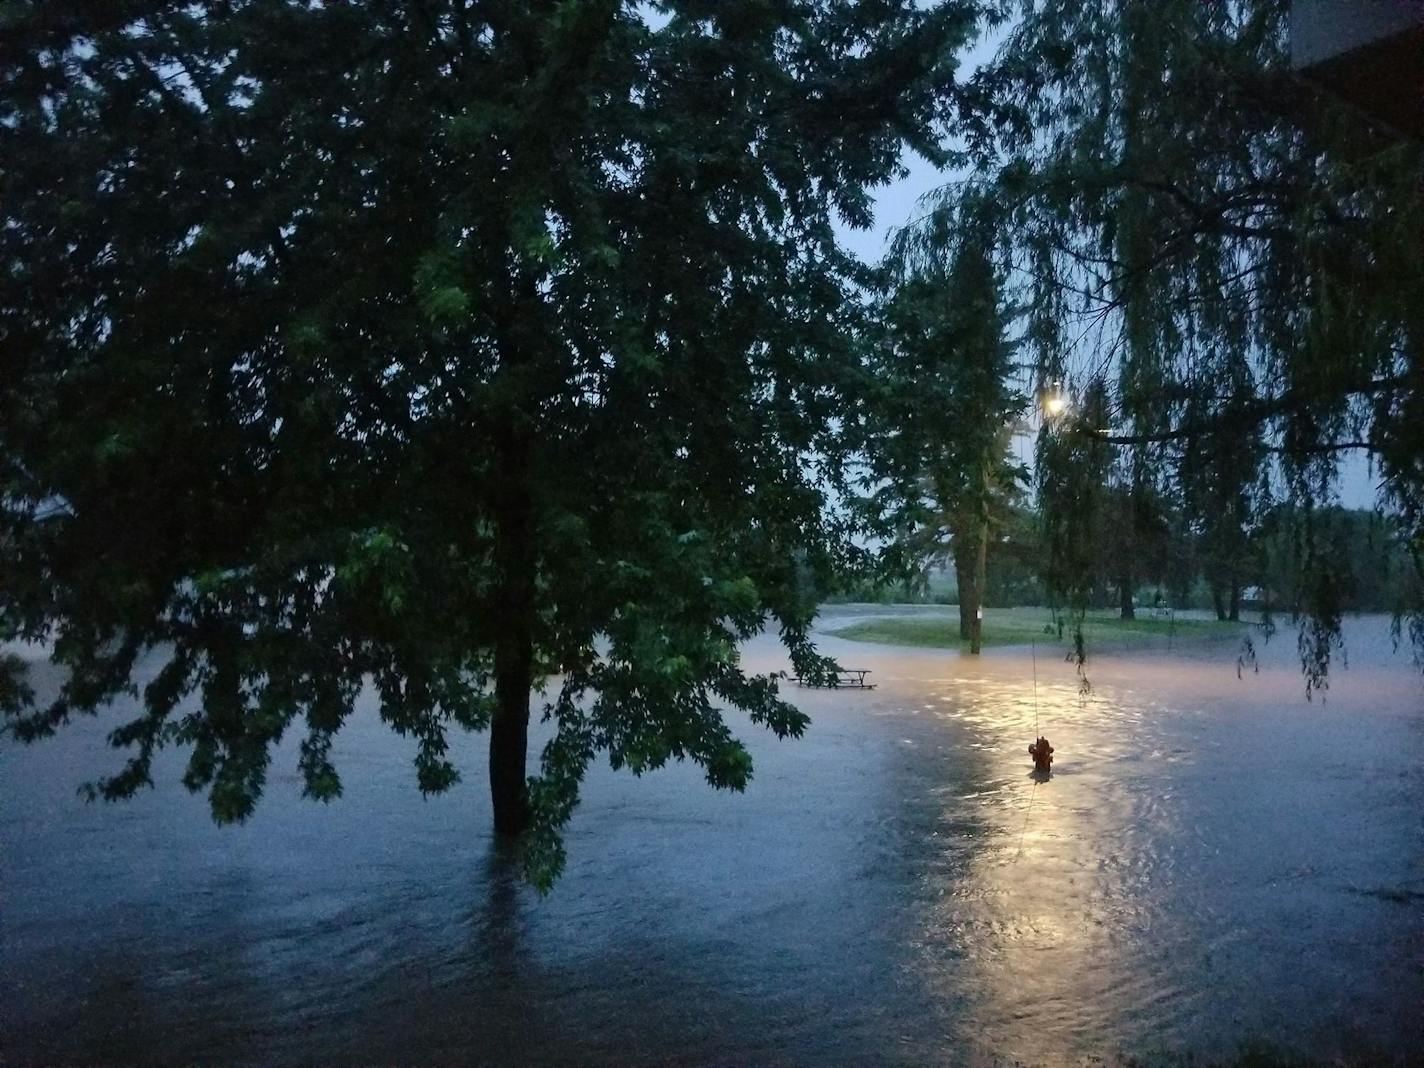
(1042,754)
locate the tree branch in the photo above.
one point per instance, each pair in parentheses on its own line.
(1258,411)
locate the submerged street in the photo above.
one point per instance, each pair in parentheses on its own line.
(1214,862)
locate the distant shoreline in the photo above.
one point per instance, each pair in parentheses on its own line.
(937,626)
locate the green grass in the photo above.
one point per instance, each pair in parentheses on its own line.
(1011,626)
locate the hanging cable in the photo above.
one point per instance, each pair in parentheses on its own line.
(1033,653)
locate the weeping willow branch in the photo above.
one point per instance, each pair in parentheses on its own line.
(1292,401)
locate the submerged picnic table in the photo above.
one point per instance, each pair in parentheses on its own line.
(852,678)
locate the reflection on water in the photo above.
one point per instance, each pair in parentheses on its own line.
(1213,860)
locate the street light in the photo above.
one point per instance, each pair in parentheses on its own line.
(1054,400)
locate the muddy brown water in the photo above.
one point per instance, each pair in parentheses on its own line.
(1215,861)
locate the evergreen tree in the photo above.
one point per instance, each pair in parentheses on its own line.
(1072,470)
(948,410)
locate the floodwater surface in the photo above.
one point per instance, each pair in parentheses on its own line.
(1214,862)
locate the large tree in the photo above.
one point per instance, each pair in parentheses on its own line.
(948,407)
(448,345)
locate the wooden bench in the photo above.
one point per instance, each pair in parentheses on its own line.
(845,678)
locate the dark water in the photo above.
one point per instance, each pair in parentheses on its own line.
(1214,861)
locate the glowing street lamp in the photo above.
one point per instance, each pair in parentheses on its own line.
(1054,400)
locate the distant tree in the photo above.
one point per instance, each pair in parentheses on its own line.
(974,521)
(1221,482)
(1015,561)
(1358,552)
(1072,470)
(1133,544)
(1181,565)
(452,345)
(948,410)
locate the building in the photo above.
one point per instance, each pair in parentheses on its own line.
(1369,52)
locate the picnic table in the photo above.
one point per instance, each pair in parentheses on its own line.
(844,678)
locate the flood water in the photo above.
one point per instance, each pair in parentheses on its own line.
(1215,861)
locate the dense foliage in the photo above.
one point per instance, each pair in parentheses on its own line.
(449,345)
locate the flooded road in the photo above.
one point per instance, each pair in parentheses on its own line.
(1215,861)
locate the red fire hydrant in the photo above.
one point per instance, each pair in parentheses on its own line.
(1042,754)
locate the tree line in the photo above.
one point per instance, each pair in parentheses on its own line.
(1361,555)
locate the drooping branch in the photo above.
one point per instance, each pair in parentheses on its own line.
(1294,400)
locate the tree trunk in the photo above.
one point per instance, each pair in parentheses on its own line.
(1235,611)
(981,556)
(1125,587)
(964,577)
(1217,603)
(514,646)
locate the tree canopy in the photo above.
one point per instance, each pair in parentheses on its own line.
(1226,246)
(443,345)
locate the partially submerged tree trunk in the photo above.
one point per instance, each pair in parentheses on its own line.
(968,596)
(1124,594)
(971,547)
(966,575)
(514,645)
(976,625)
